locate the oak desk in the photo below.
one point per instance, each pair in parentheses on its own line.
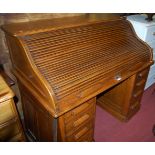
(65,66)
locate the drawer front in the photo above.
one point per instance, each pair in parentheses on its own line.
(142,75)
(150,36)
(85,133)
(135,105)
(6,111)
(79,122)
(10,130)
(138,90)
(77,112)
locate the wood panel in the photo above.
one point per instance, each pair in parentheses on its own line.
(38,122)
(123,100)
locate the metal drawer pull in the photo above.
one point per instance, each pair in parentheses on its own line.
(118,77)
(140,75)
(135,105)
(154,33)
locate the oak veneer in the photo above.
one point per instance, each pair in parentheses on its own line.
(62,65)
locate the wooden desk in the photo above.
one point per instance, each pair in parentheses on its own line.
(64,66)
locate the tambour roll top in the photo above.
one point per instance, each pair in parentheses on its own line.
(68,61)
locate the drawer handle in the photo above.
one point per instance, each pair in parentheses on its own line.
(135,105)
(81,120)
(154,33)
(140,75)
(81,133)
(138,93)
(118,77)
(140,83)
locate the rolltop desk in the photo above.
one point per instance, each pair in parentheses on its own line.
(64,67)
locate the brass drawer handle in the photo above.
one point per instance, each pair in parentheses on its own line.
(135,105)
(118,77)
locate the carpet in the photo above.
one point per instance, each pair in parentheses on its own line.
(137,129)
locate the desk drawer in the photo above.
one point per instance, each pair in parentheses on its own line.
(79,122)
(139,85)
(150,36)
(142,75)
(80,110)
(9,130)
(6,111)
(85,133)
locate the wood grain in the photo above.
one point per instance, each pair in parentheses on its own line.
(63,64)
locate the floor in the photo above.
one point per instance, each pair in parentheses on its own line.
(138,129)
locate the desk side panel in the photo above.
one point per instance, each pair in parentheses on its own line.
(27,74)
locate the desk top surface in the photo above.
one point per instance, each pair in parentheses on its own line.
(37,26)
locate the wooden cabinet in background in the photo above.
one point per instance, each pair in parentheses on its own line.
(10,125)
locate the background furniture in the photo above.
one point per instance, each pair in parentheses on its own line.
(145,31)
(8,80)
(64,66)
(10,126)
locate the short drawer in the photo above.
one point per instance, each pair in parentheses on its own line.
(150,36)
(6,111)
(87,137)
(135,105)
(9,130)
(80,110)
(79,122)
(142,75)
(82,133)
(136,97)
